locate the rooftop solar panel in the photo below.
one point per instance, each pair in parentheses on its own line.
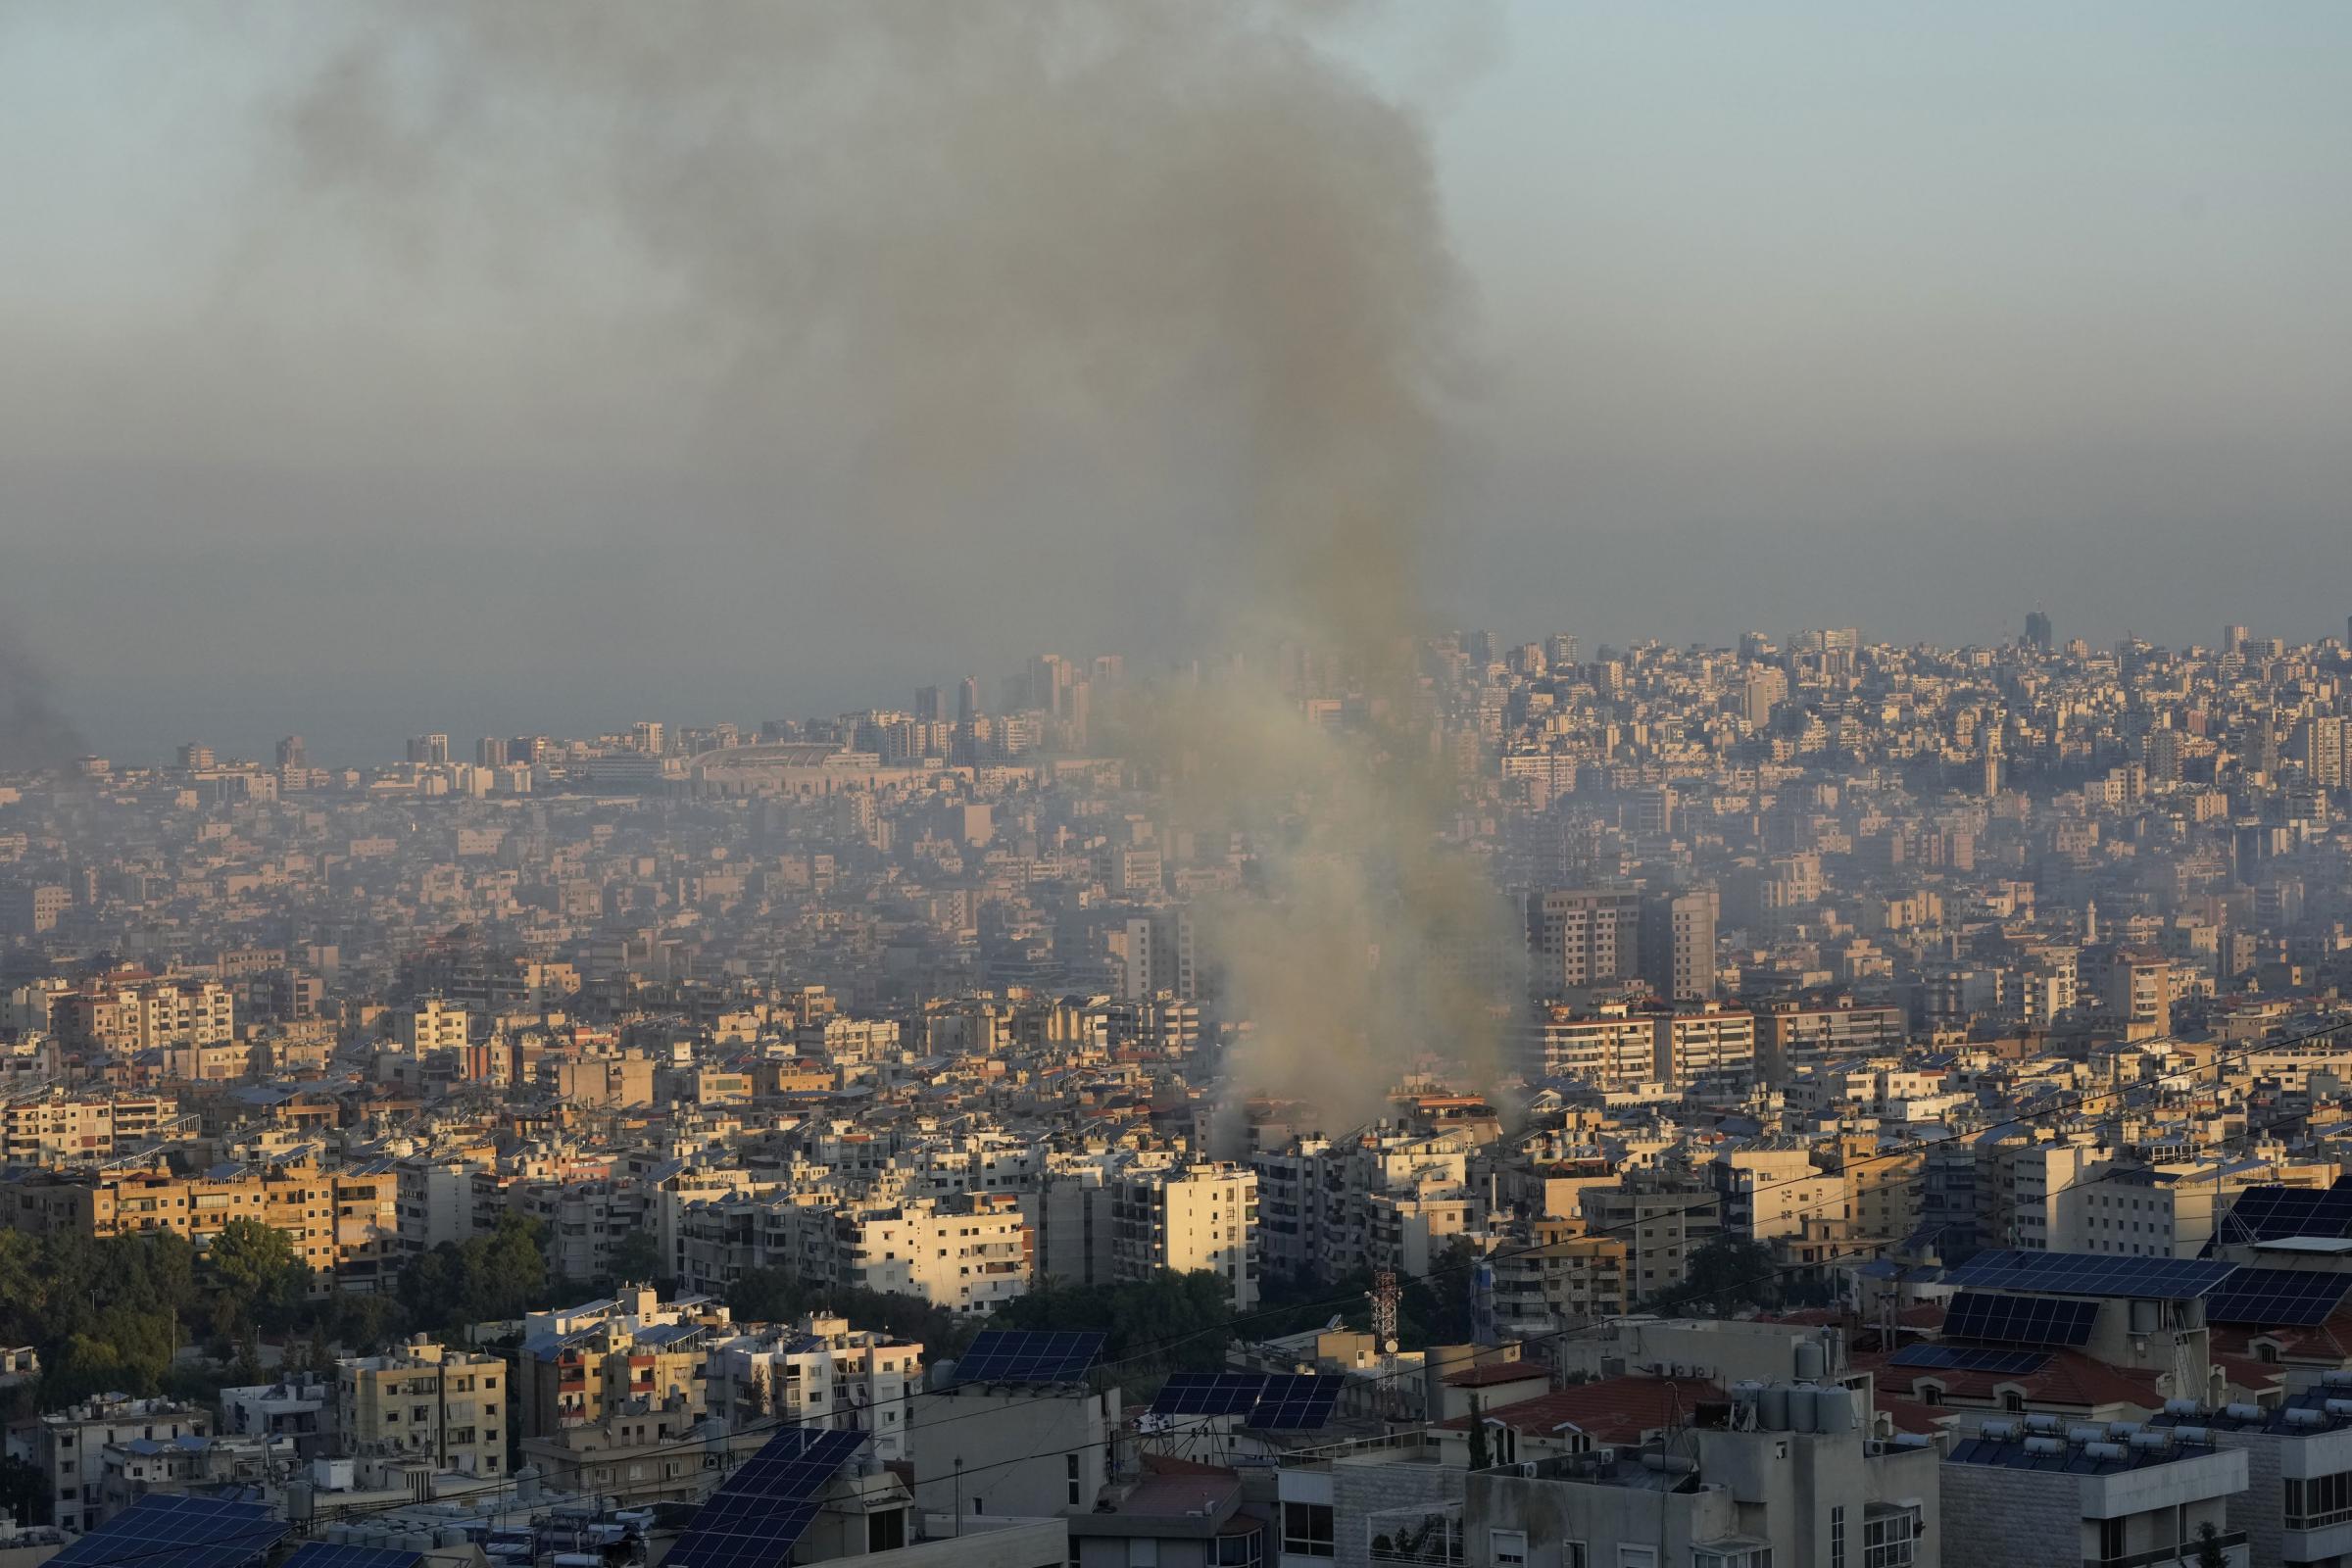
(2170,1279)
(760,1513)
(2270,1213)
(1970,1358)
(1297,1403)
(2278,1297)
(327,1554)
(171,1530)
(1209,1393)
(2020,1319)
(1020,1355)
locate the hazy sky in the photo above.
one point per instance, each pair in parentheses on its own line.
(1777,315)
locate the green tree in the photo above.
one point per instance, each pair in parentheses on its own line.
(637,1259)
(1726,1274)
(2211,1553)
(1480,1458)
(256,1277)
(505,1273)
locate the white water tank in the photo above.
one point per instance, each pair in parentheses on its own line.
(1811,1364)
(1773,1406)
(1835,1409)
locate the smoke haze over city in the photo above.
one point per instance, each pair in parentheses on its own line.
(1766,321)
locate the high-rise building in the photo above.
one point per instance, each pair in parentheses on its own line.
(429,751)
(2037,631)
(2234,639)
(930,705)
(1579,936)
(291,754)
(967,700)
(195,757)
(490,752)
(1676,950)
(2320,748)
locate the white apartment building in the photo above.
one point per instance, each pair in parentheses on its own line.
(1200,1217)
(822,1373)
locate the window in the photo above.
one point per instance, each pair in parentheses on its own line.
(1889,1536)
(1306,1530)
(1723,1557)
(1572,1555)
(2110,1540)
(1243,1550)
(1636,1558)
(1143,1552)
(1507,1549)
(1837,1537)
(2320,1501)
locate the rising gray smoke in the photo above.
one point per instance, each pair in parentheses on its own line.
(33,732)
(1172,244)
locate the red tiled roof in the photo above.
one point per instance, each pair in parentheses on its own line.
(1613,1410)
(1493,1372)
(1909,1415)
(2070,1378)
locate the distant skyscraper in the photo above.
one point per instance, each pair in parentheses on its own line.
(967,700)
(930,705)
(290,752)
(428,750)
(2037,631)
(1583,937)
(195,756)
(1678,943)
(2234,639)
(490,752)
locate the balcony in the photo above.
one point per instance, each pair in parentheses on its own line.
(2184,1555)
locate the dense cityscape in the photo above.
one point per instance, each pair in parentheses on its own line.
(1900,1108)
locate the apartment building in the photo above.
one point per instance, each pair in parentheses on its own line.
(1584,937)
(66,1127)
(425,1402)
(431,1023)
(1199,1217)
(69,1448)
(820,1372)
(578,1364)
(343,1221)
(128,1015)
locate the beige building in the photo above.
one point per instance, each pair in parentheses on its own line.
(431,1024)
(65,1128)
(345,1221)
(449,1407)
(1196,1217)
(129,1015)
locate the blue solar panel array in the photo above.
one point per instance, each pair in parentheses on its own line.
(166,1531)
(1209,1393)
(2170,1279)
(761,1511)
(327,1554)
(1020,1355)
(1970,1358)
(1297,1403)
(2278,1297)
(2271,1214)
(2020,1319)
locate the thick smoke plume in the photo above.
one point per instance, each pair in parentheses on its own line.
(33,733)
(1173,245)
